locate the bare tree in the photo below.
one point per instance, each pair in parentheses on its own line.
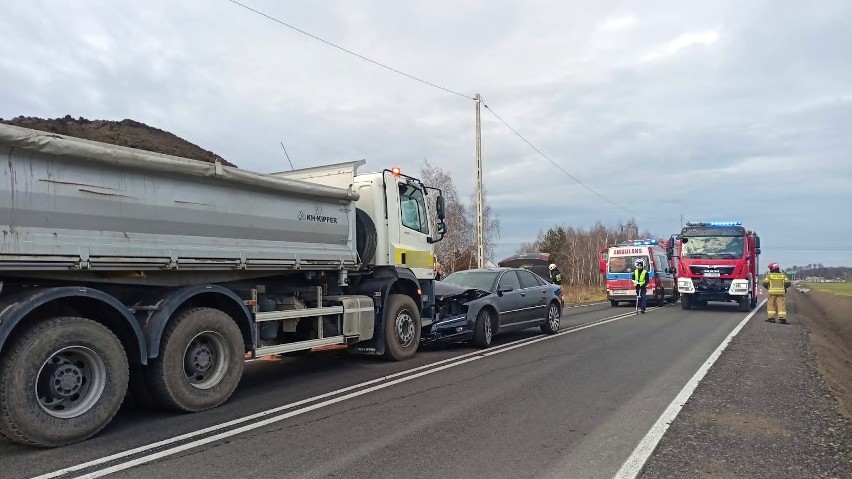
(458,249)
(576,250)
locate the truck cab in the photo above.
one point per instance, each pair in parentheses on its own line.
(717,261)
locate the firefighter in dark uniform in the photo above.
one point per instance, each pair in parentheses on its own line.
(555,274)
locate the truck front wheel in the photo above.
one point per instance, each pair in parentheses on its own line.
(686,301)
(201,361)
(402,328)
(61,382)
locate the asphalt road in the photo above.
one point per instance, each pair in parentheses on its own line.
(571,405)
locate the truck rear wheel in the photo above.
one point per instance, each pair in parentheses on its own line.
(686,301)
(201,361)
(61,382)
(402,328)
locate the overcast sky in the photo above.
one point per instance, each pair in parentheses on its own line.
(710,110)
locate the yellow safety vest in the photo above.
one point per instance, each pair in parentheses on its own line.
(640,276)
(776,283)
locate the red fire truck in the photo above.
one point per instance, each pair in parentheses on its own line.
(717,261)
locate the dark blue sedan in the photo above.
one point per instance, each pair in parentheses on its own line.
(475,305)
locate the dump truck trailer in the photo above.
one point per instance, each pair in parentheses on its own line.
(127,270)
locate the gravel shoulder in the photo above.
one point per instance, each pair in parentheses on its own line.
(763,410)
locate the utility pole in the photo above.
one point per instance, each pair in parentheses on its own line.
(681,221)
(480,216)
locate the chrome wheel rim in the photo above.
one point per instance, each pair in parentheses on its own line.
(553,317)
(70,382)
(205,360)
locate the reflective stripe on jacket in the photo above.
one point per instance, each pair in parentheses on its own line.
(776,283)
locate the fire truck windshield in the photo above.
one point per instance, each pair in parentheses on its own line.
(722,247)
(625,264)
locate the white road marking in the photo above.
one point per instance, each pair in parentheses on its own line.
(634,464)
(453,362)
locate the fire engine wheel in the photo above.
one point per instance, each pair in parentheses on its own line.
(402,328)
(686,301)
(200,363)
(61,382)
(613,303)
(745,303)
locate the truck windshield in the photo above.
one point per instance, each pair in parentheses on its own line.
(625,264)
(722,247)
(412,207)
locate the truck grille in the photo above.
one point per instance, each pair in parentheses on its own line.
(721,269)
(712,285)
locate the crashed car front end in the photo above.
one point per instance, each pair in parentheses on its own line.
(454,321)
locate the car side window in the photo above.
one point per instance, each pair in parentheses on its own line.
(509,280)
(527,279)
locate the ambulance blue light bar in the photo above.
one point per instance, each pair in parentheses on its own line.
(645,242)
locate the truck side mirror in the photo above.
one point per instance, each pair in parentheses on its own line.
(757,242)
(757,251)
(439,209)
(441,229)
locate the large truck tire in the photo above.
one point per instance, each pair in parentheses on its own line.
(402,328)
(61,381)
(366,237)
(686,301)
(201,361)
(744,304)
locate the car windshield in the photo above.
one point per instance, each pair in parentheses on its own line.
(483,280)
(625,264)
(722,247)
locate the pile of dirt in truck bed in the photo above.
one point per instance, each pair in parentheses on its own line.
(122,133)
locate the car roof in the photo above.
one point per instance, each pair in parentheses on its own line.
(498,269)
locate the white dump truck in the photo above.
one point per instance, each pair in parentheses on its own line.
(130,272)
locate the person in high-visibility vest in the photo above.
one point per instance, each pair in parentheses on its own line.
(640,280)
(776,284)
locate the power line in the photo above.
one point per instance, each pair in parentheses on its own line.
(448,90)
(374,62)
(543,155)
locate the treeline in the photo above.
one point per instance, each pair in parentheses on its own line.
(821,271)
(576,250)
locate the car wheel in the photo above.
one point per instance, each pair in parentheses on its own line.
(554,315)
(483,332)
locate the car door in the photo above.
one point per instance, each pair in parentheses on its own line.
(535,297)
(510,298)
(666,278)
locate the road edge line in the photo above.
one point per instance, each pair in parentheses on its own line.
(640,455)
